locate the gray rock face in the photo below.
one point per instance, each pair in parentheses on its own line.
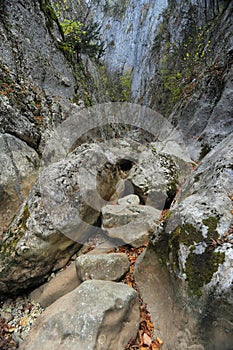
(207,120)
(61,208)
(218,127)
(99,315)
(28,47)
(156,176)
(174,64)
(128,29)
(191,255)
(110,267)
(18,169)
(63,283)
(195,91)
(23,125)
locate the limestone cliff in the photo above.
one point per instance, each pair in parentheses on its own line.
(178,55)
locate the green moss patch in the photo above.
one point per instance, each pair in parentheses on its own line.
(212,223)
(186,234)
(14,234)
(200,269)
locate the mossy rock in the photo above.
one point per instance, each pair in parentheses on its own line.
(199,267)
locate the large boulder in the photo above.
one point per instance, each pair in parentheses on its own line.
(100,315)
(57,218)
(189,263)
(159,172)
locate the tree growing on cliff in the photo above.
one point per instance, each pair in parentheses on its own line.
(82,38)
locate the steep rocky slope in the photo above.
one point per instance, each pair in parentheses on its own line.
(38,87)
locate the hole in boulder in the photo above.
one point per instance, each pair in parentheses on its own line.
(125,164)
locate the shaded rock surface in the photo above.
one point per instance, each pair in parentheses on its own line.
(63,283)
(96,315)
(110,267)
(157,175)
(18,169)
(191,259)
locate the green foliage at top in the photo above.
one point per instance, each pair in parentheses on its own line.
(73,28)
(79,36)
(182,63)
(125,85)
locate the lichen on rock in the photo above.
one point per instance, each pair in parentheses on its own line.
(191,254)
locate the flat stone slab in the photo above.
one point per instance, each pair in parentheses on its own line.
(61,284)
(110,267)
(130,224)
(122,214)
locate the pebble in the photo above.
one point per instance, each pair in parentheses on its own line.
(20,314)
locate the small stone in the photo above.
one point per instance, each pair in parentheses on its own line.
(61,284)
(132,199)
(109,267)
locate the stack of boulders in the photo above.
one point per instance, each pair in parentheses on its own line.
(86,307)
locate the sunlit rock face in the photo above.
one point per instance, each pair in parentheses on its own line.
(128,29)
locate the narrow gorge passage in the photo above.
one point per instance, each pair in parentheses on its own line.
(129,237)
(116,202)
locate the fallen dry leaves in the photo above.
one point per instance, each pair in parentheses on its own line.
(145,339)
(6,340)
(164,214)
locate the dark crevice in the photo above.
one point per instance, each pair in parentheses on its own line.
(170,198)
(125,164)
